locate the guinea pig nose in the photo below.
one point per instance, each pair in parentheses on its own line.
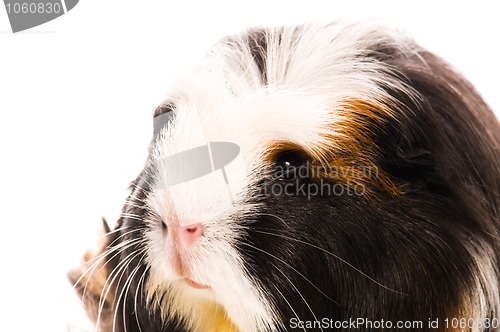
(190,233)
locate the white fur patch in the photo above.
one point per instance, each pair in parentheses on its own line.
(310,71)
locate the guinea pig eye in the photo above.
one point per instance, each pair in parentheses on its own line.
(289,164)
(164,108)
(163,115)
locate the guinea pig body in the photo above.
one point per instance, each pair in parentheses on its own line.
(364,186)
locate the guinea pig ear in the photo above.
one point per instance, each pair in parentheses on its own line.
(90,280)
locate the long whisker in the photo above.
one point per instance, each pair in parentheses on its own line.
(106,288)
(333,255)
(122,263)
(289,305)
(119,269)
(112,246)
(275,216)
(117,303)
(131,216)
(99,258)
(117,240)
(126,288)
(132,203)
(300,294)
(92,269)
(294,269)
(140,286)
(138,189)
(116,230)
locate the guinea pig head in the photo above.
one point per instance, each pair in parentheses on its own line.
(306,172)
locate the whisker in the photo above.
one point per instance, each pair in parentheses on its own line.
(123,235)
(126,288)
(98,260)
(133,204)
(104,292)
(116,230)
(118,273)
(300,294)
(337,257)
(115,247)
(294,269)
(121,272)
(131,216)
(119,269)
(289,305)
(140,285)
(275,216)
(91,270)
(144,178)
(136,190)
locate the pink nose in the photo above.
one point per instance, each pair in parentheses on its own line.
(190,233)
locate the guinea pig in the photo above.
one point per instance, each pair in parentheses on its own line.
(327,176)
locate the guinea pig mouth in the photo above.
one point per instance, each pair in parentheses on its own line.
(194,284)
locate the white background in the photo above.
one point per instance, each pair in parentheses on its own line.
(76,97)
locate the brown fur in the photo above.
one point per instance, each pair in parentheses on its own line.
(91,282)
